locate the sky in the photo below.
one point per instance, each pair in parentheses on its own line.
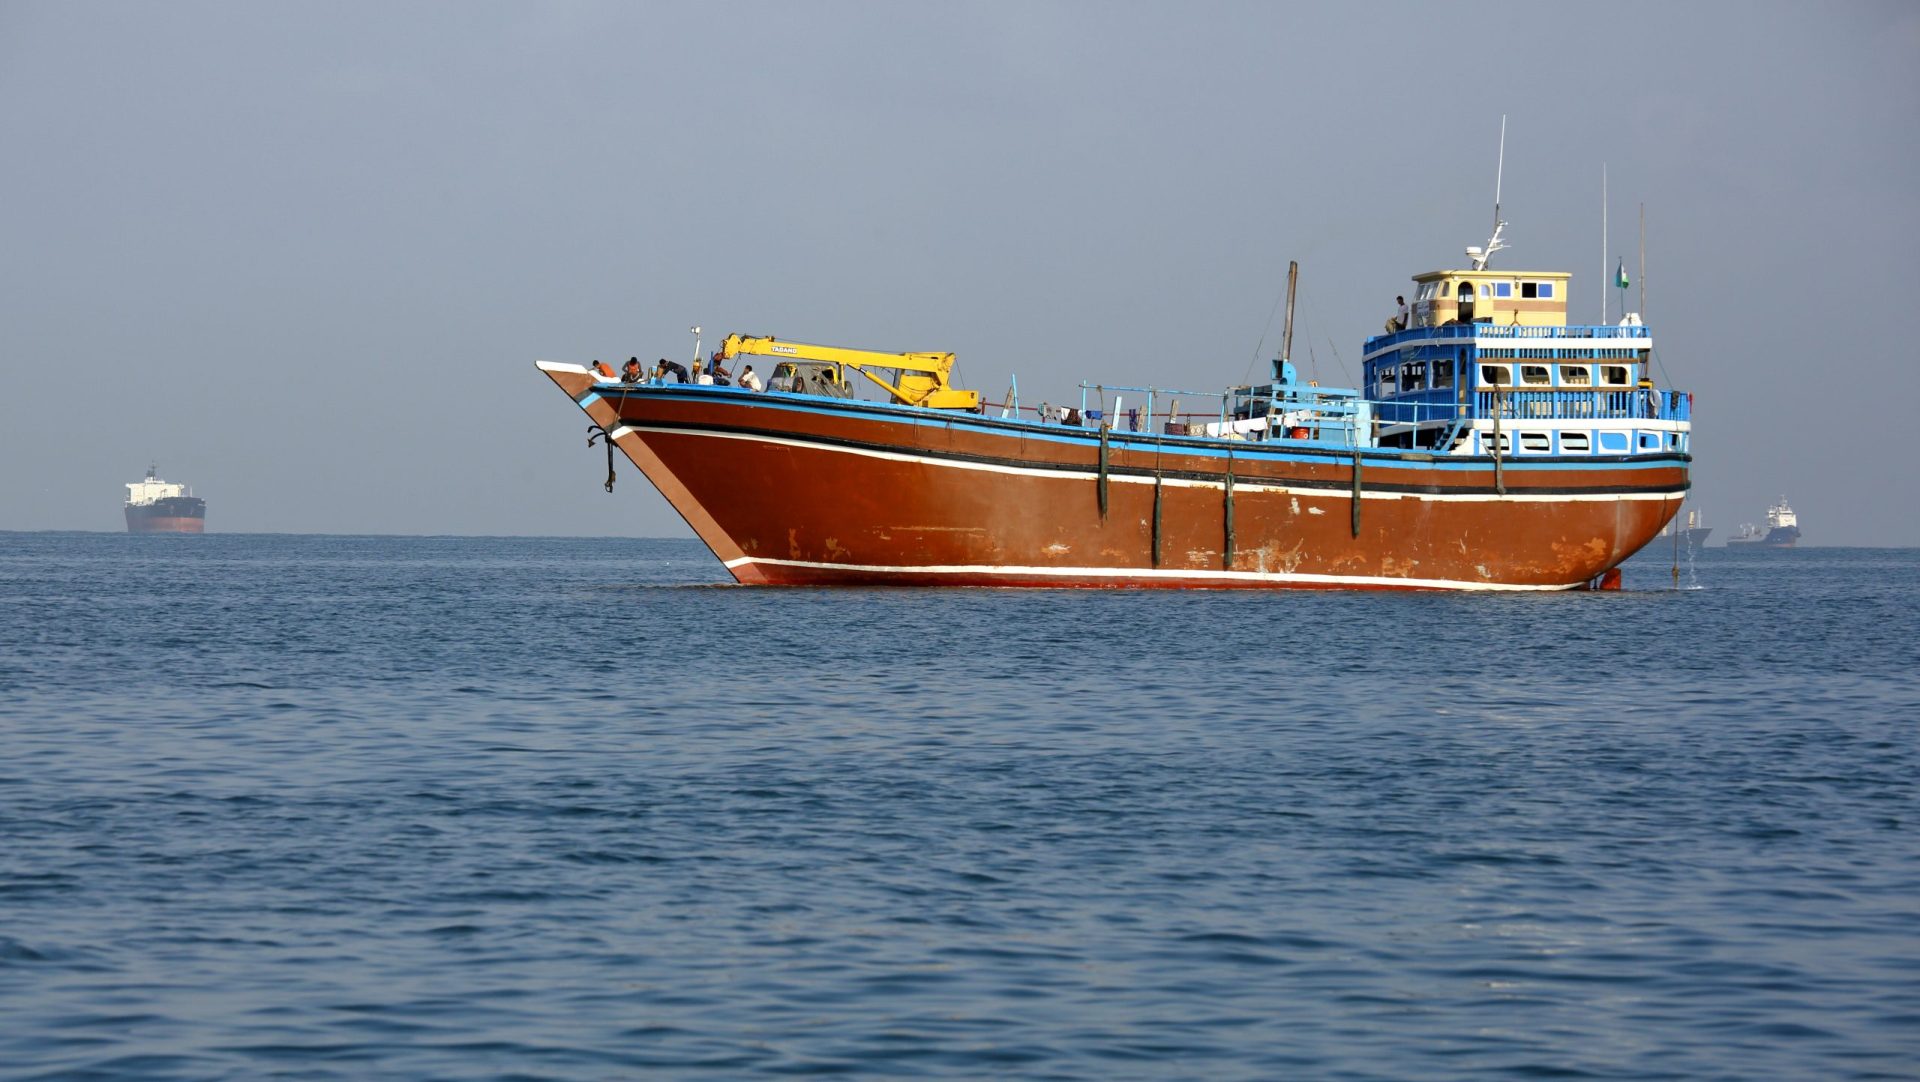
(305,255)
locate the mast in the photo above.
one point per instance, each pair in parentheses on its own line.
(1499,174)
(1643,261)
(1479,256)
(1286,335)
(1603,244)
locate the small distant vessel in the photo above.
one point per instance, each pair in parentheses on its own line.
(156,506)
(1693,533)
(1783,529)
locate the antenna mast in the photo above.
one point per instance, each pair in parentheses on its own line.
(1603,243)
(1499,173)
(1479,256)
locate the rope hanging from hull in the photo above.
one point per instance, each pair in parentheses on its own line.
(1229,509)
(1156,518)
(1103,472)
(1356,492)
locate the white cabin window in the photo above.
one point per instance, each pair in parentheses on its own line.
(1535,374)
(1576,375)
(1615,375)
(1535,443)
(1574,442)
(1495,375)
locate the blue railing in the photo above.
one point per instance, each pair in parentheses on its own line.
(1439,404)
(1605,405)
(1456,331)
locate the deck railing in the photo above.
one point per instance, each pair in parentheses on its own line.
(1334,415)
(1456,331)
(1624,404)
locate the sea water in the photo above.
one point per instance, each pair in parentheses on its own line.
(396,808)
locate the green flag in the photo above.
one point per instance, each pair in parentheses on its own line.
(1620,276)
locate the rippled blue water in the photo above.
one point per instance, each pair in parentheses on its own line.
(349,808)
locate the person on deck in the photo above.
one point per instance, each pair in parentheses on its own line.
(748,380)
(632,373)
(720,375)
(678,370)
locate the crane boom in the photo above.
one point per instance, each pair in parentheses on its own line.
(918,379)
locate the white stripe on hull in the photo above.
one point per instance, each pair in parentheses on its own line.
(1120,575)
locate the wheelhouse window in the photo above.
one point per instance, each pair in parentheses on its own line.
(1496,375)
(1535,375)
(1503,289)
(1576,375)
(1443,373)
(1413,375)
(1615,375)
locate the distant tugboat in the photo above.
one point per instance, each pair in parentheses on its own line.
(156,506)
(1783,529)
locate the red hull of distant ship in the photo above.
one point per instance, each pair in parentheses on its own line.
(140,522)
(804,490)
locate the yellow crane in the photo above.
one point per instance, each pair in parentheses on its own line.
(918,379)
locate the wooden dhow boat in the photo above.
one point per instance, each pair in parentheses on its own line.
(1494,446)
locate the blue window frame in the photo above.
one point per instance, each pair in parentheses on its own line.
(1503,289)
(1546,289)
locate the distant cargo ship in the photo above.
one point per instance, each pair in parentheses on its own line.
(1694,534)
(156,506)
(1783,529)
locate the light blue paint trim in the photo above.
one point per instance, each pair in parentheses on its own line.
(1138,443)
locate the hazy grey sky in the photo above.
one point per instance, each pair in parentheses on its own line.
(305,255)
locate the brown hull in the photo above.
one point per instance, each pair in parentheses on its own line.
(801,490)
(166,524)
